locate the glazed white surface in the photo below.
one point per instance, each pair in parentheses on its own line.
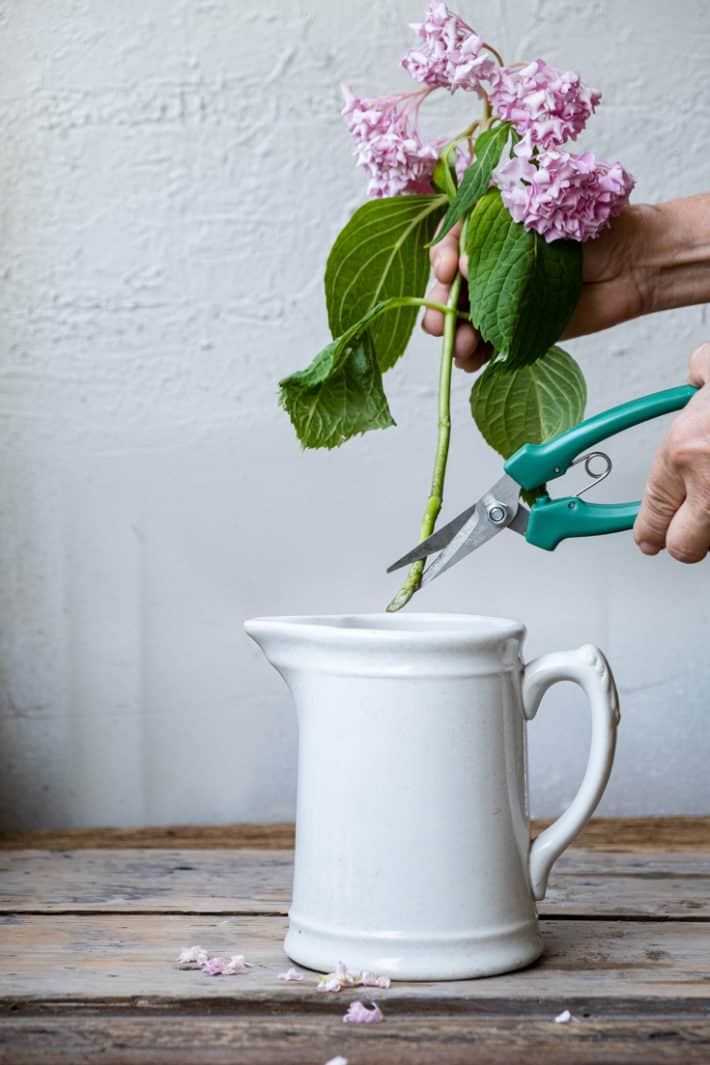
(173,175)
(413,854)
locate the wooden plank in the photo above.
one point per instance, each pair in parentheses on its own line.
(608,834)
(608,967)
(286,1038)
(584,883)
(187,837)
(135,881)
(643,834)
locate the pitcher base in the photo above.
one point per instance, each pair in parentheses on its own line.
(415,958)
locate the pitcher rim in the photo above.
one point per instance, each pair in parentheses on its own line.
(421,627)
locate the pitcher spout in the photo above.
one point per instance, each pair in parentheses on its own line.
(273,636)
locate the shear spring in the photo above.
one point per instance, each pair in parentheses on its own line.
(597,478)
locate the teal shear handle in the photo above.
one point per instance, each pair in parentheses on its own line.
(553,520)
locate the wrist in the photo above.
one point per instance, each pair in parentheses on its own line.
(670,255)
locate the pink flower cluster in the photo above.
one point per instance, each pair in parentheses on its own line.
(392,152)
(560,195)
(551,105)
(449,53)
(546,106)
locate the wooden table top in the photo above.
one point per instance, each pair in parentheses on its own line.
(92,922)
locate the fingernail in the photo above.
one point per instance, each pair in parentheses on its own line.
(648,549)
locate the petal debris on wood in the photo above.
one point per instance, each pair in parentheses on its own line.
(192,957)
(360,1014)
(566,1017)
(292,974)
(221,967)
(343,977)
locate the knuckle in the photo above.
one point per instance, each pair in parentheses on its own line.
(656,503)
(686,448)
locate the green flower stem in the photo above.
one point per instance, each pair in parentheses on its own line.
(436,496)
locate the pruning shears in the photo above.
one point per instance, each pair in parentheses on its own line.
(548,521)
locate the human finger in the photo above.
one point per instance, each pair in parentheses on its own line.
(662,496)
(466,341)
(433,321)
(444,256)
(699,366)
(475,359)
(688,535)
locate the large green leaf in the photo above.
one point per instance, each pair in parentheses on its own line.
(530,404)
(522,289)
(380,254)
(339,395)
(477,177)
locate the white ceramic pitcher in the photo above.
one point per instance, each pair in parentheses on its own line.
(413,853)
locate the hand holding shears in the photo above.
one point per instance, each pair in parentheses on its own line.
(548,521)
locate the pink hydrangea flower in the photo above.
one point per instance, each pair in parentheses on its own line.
(291,974)
(448,54)
(464,158)
(360,1014)
(370,979)
(388,144)
(560,195)
(192,957)
(551,105)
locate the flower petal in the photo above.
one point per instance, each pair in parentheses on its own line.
(359,1014)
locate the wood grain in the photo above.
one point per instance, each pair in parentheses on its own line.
(101,959)
(91,923)
(637,834)
(242,881)
(187,837)
(287,1038)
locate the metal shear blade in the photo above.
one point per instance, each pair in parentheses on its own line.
(470,529)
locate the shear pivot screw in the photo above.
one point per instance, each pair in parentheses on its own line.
(497,513)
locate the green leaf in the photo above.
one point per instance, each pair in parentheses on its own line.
(443,177)
(379,254)
(530,404)
(339,395)
(477,177)
(522,290)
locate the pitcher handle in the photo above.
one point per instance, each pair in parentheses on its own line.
(587,667)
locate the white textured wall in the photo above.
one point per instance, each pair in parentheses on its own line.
(173,173)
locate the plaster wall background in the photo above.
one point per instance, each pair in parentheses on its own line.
(173,174)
